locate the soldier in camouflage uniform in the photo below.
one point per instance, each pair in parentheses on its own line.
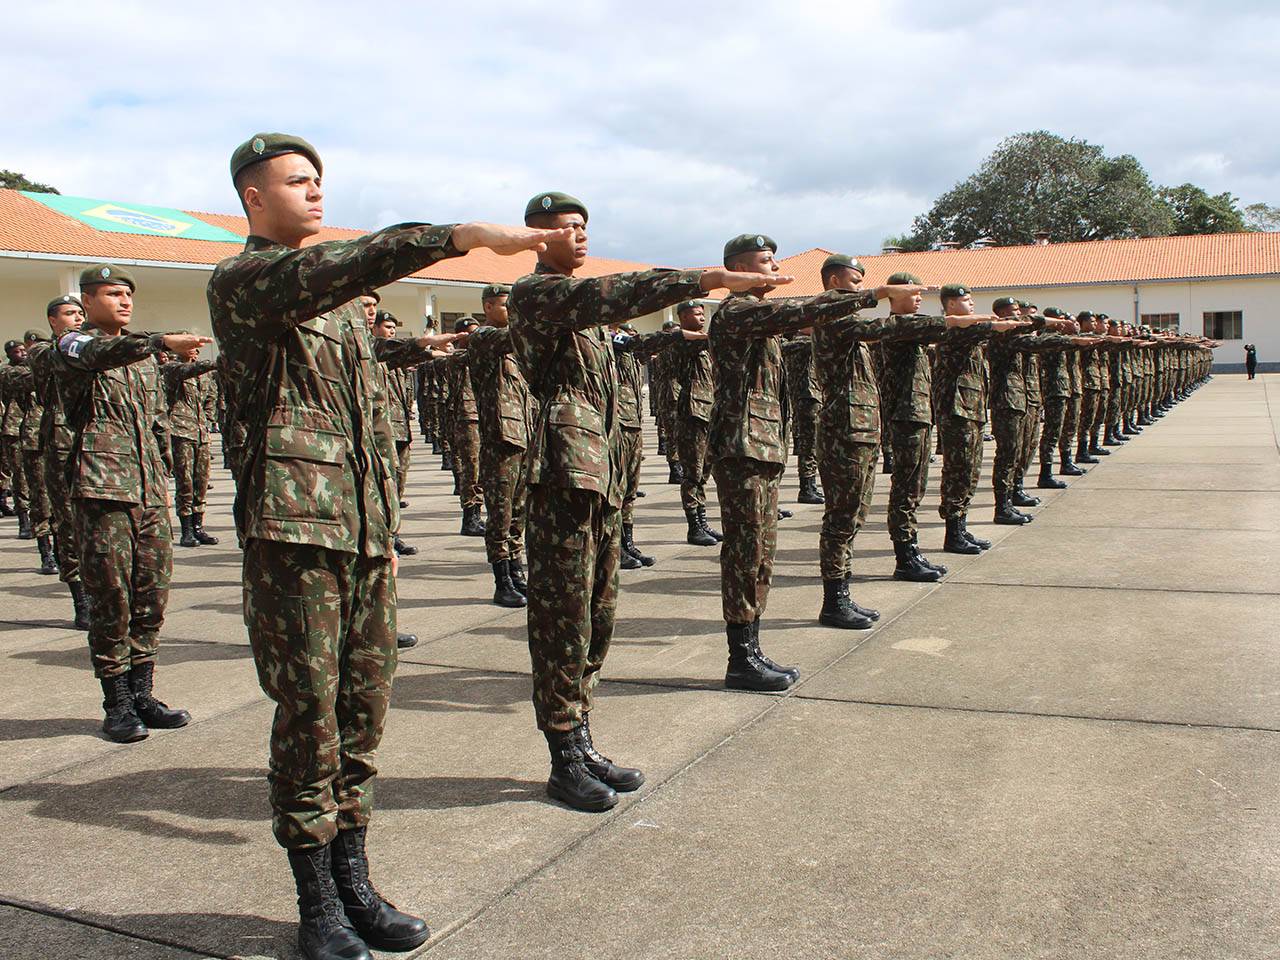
(1055,387)
(110,383)
(691,368)
(316,510)
(747,448)
(444,426)
(667,385)
(27,398)
(506,422)
(11,434)
(464,420)
(192,397)
(576,480)
(393,386)
(6,476)
(65,315)
(804,401)
(1072,360)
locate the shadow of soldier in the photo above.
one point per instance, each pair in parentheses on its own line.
(172,651)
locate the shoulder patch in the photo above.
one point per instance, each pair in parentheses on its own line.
(73,343)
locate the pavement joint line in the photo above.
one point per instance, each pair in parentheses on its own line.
(1041,714)
(44,911)
(1121,589)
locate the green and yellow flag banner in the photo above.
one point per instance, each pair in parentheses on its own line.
(112,217)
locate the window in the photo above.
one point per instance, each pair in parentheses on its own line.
(1224,324)
(1161,321)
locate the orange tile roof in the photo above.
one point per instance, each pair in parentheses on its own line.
(30,227)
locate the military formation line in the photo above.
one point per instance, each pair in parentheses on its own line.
(536,409)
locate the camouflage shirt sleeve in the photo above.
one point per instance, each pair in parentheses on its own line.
(646,345)
(399,353)
(490,342)
(553,303)
(80,351)
(906,328)
(753,318)
(175,373)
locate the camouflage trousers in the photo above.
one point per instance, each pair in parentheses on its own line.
(427,415)
(1100,411)
(11,451)
(404,456)
(1070,425)
(1055,412)
(804,426)
(466,463)
(692,436)
(631,448)
(63,519)
(670,424)
(573,538)
(190,475)
(126,559)
(1030,439)
(444,426)
(1088,414)
(910,475)
(37,493)
(961,465)
(1114,405)
(1008,427)
(848,472)
(322,625)
(748,493)
(504,468)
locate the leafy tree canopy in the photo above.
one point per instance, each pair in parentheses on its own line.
(12,180)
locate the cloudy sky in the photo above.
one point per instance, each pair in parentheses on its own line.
(679,124)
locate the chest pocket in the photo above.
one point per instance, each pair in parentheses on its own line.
(306,475)
(576,444)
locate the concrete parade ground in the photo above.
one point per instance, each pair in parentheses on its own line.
(1070,747)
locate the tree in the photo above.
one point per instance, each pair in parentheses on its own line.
(1039,181)
(1262,217)
(1194,211)
(12,180)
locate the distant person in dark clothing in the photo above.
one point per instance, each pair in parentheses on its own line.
(1251,359)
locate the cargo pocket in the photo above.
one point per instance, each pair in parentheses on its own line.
(764,420)
(306,476)
(107,460)
(576,441)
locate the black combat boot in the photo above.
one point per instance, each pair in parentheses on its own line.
(5,509)
(24,524)
(627,561)
(941,568)
(571,782)
(809,492)
(324,932)
(702,522)
(518,576)
(1066,467)
(784,514)
(505,593)
(405,641)
(1046,481)
(188,535)
(403,504)
(629,546)
(1082,453)
(472,525)
(48,562)
(1007,516)
(1095,448)
(956,541)
(621,779)
(435,447)
(697,535)
(121,723)
(869,612)
(1020,498)
(968,535)
(746,669)
(837,610)
(403,549)
(202,536)
(888,461)
(911,566)
(675,473)
(80,603)
(792,672)
(446,461)
(377,922)
(156,715)
(662,446)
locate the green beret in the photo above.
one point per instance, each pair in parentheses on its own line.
(32,335)
(1025,304)
(382,316)
(842,260)
(1053,313)
(687,305)
(377,297)
(952,291)
(669,324)
(554,202)
(107,273)
(11,345)
(494,290)
(902,279)
(999,303)
(462,323)
(1104,316)
(1084,315)
(62,302)
(749,243)
(264,146)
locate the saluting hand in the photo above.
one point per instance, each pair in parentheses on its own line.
(694,334)
(438,341)
(505,240)
(736,281)
(903,289)
(182,342)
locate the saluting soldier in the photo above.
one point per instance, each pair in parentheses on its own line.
(804,399)
(690,363)
(110,381)
(464,419)
(316,510)
(576,481)
(189,390)
(11,433)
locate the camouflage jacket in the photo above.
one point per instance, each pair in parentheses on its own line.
(1055,381)
(24,410)
(461,406)
(191,398)
(797,359)
(1008,353)
(846,373)
(906,383)
(630,353)
(690,360)
(746,348)
(558,327)
(502,394)
(1092,369)
(313,470)
(961,385)
(111,388)
(54,432)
